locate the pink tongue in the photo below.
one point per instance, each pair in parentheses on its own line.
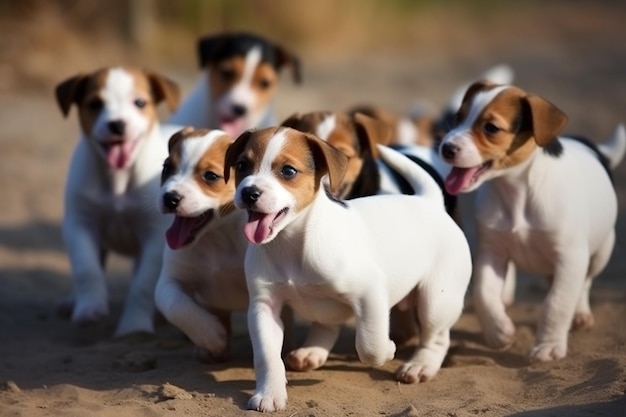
(234,127)
(118,154)
(180,232)
(258,227)
(459,179)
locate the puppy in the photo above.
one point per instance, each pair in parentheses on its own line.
(202,278)
(544,202)
(238,80)
(113,171)
(331,260)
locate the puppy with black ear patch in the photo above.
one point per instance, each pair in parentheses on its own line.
(331,260)
(545,203)
(238,81)
(114,173)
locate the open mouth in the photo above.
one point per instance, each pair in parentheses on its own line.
(118,152)
(260,225)
(184,230)
(460,179)
(232,125)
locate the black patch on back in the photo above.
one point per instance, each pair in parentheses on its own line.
(554,148)
(450,201)
(368,181)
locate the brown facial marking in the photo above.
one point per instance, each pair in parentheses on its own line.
(209,172)
(511,143)
(172,162)
(224,75)
(246,153)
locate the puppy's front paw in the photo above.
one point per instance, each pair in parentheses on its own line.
(306,359)
(268,402)
(89,310)
(416,371)
(138,323)
(211,336)
(549,351)
(372,358)
(500,333)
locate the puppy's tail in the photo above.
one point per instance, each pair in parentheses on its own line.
(615,147)
(420,180)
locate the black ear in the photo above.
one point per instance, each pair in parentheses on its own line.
(285,58)
(70,91)
(164,89)
(207,45)
(233,152)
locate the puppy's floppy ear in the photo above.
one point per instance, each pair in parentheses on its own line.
(70,91)
(234,150)
(371,131)
(547,119)
(164,89)
(284,58)
(334,162)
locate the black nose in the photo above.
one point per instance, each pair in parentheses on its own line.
(250,195)
(239,110)
(171,199)
(117,127)
(449,150)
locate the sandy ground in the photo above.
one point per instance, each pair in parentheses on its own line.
(48,367)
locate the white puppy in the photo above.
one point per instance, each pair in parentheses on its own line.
(202,279)
(331,260)
(113,175)
(546,203)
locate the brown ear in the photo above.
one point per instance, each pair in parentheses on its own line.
(164,89)
(371,132)
(547,119)
(334,162)
(69,92)
(233,152)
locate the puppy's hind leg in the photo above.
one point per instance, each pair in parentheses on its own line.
(438,310)
(314,351)
(583,317)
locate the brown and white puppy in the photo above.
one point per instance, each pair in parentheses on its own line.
(331,260)
(238,80)
(545,203)
(202,279)
(113,174)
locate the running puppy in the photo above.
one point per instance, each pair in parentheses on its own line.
(113,174)
(331,260)
(545,202)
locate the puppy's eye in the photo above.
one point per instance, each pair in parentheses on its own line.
(210,177)
(140,103)
(227,74)
(490,128)
(264,84)
(241,166)
(288,172)
(95,104)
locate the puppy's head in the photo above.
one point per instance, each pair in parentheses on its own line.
(497,127)
(117,107)
(193,186)
(354,135)
(278,173)
(243,76)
